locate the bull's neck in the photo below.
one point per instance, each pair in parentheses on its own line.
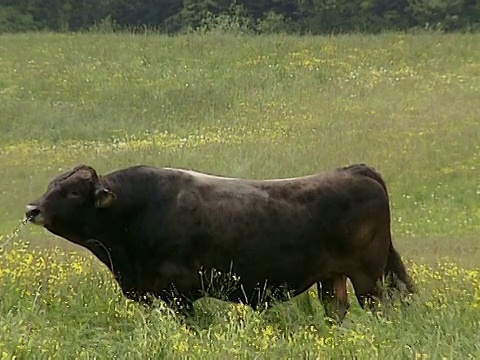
(113,224)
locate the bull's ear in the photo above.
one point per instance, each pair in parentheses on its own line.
(104,198)
(86,172)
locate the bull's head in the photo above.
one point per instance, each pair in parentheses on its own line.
(71,198)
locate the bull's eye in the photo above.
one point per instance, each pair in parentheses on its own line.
(74,194)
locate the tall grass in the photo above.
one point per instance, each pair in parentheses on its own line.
(256,107)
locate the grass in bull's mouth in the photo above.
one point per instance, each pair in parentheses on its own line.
(258,107)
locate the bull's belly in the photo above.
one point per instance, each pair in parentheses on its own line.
(246,266)
(274,282)
(249,276)
(253,288)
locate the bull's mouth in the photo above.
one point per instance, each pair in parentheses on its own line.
(37,220)
(35,216)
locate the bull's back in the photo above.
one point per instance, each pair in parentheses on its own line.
(297,208)
(268,227)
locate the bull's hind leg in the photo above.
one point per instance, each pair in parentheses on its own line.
(367,290)
(332,293)
(367,275)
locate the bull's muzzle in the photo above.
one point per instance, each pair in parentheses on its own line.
(34,215)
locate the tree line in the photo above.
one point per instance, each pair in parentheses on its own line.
(260,16)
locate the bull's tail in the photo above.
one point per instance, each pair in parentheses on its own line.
(396,272)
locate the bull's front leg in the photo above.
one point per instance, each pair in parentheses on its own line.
(146,288)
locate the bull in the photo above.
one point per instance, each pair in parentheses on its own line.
(159,229)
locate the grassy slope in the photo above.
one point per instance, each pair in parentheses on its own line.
(251,107)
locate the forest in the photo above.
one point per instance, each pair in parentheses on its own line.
(251,16)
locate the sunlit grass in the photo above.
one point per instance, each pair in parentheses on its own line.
(255,107)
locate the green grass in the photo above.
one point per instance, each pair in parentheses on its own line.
(256,107)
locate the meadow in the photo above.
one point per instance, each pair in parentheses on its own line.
(254,107)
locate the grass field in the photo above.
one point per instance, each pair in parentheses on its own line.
(256,107)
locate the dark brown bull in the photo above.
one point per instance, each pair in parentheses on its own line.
(158,229)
